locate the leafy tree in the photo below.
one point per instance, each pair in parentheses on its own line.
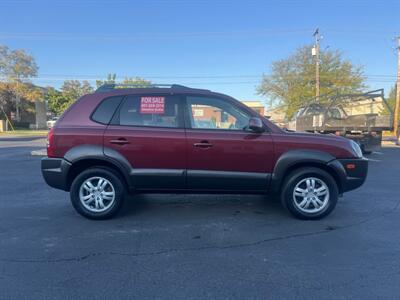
(76,89)
(137,81)
(16,64)
(57,102)
(292,80)
(16,68)
(391,100)
(71,90)
(6,99)
(110,80)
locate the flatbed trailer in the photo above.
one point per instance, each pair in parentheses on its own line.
(328,116)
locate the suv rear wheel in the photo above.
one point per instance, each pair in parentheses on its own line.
(309,193)
(97,193)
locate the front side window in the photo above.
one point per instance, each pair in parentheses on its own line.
(213,113)
(150,110)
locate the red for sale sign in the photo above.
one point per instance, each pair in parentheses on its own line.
(152,105)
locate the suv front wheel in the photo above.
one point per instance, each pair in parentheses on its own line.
(309,193)
(97,193)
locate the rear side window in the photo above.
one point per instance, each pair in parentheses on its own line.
(106,109)
(150,110)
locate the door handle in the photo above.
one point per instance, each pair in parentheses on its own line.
(203,144)
(120,141)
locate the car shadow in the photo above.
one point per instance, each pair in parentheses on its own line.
(182,203)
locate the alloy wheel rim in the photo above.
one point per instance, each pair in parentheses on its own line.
(311,195)
(97,194)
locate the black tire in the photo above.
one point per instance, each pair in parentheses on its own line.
(114,180)
(363,150)
(294,178)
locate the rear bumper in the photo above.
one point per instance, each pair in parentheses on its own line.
(352,172)
(54,171)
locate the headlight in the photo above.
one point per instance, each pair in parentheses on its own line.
(356,149)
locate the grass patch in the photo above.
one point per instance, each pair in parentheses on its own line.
(387,133)
(24,132)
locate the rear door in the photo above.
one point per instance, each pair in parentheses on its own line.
(223,154)
(148,131)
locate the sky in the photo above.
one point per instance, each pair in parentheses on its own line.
(220,45)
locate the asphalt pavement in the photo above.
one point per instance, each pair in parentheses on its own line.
(195,246)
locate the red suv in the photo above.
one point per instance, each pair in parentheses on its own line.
(124,139)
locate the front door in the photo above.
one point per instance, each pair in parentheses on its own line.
(223,154)
(148,131)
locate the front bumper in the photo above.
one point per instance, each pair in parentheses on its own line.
(352,172)
(54,171)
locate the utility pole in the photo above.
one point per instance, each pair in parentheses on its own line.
(397,106)
(316,54)
(17,99)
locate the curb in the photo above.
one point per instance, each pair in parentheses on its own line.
(389,143)
(41,152)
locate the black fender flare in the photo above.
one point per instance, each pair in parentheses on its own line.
(86,152)
(293,158)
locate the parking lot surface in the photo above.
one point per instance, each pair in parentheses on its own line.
(195,246)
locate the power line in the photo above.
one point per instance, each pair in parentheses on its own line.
(316,48)
(135,37)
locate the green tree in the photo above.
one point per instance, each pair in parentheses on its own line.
(76,89)
(57,102)
(7,102)
(71,90)
(292,80)
(16,69)
(391,100)
(136,81)
(110,80)
(16,64)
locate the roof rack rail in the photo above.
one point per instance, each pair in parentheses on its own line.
(112,86)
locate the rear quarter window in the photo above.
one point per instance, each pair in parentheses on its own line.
(106,109)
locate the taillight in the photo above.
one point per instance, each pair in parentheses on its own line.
(50,143)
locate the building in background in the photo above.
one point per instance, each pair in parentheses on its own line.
(206,116)
(32,113)
(277,115)
(258,106)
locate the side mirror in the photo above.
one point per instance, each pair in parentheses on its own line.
(256,125)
